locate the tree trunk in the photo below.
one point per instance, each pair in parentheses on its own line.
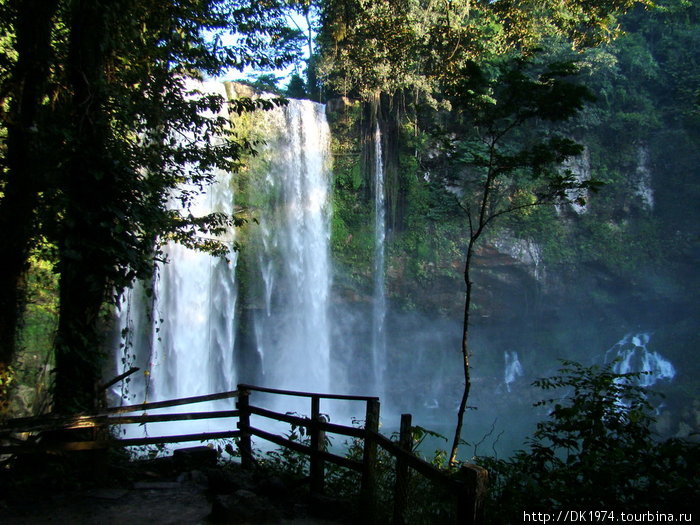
(465,355)
(86,233)
(23,180)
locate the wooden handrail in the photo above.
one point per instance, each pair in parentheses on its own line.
(420,465)
(304,449)
(102,421)
(306,422)
(467,487)
(107,443)
(342,430)
(160,418)
(170,403)
(59,421)
(306,394)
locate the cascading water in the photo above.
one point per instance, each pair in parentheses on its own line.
(379,296)
(182,332)
(633,356)
(291,326)
(513,369)
(196,300)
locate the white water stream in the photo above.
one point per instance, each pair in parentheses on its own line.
(292,246)
(633,356)
(513,369)
(379,294)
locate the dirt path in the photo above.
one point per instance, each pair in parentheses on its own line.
(177,505)
(157,493)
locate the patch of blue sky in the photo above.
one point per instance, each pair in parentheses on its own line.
(282,75)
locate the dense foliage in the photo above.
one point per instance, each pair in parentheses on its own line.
(596,450)
(392,45)
(634,232)
(481,103)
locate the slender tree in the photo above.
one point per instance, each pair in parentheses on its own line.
(493,174)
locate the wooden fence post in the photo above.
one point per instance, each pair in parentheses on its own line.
(318,438)
(369,464)
(245,447)
(470,503)
(401,486)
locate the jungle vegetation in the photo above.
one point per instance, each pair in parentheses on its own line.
(487,95)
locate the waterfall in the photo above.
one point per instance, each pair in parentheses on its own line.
(292,180)
(179,329)
(182,332)
(195,299)
(633,356)
(513,369)
(379,296)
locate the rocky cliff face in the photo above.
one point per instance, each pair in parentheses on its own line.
(521,265)
(581,168)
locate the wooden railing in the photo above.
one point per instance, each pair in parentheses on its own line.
(467,487)
(109,417)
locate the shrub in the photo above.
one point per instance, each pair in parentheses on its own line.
(597,451)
